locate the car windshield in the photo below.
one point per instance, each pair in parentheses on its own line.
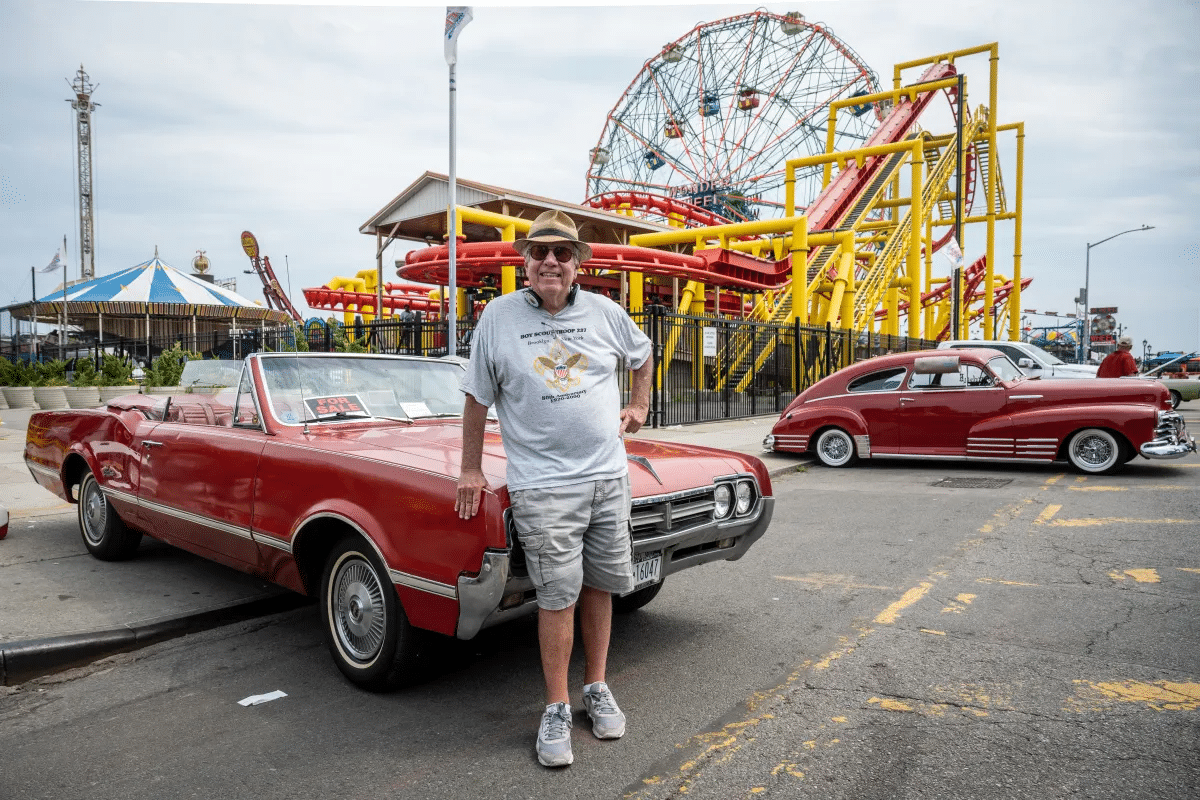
(1047,358)
(1004,369)
(305,387)
(212,372)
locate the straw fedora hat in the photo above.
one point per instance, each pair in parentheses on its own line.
(551,227)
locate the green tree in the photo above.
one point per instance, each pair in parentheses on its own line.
(115,371)
(85,372)
(168,367)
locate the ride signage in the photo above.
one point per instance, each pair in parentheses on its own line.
(337,405)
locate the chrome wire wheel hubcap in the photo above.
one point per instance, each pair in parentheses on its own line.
(358,611)
(1095,450)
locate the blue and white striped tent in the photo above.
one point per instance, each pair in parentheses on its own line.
(156,288)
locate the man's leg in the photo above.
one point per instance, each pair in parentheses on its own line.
(556,635)
(595,622)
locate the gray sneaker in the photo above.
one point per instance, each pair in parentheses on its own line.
(554,736)
(607,720)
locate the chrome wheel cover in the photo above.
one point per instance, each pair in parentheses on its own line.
(356,604)
(1094,450)
(93,512)
(835,448)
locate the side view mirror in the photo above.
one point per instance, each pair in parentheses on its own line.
(1028,363)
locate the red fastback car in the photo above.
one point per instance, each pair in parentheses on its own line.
(334,475)
(977,405)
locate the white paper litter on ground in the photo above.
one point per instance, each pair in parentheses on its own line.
(255,699)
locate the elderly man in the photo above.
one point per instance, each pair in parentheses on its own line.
(548,357)
(1119,362)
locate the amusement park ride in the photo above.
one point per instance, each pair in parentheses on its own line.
(776,181)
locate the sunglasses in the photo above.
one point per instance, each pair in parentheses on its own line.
(538,252)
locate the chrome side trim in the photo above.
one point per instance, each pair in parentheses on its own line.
(271,541)
(863,445)
(1025,397)
(197,519)
(41,469)
(423,584)
(124,497)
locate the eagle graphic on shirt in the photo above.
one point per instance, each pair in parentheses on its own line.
(560,367)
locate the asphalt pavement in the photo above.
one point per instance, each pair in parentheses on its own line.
(63,608)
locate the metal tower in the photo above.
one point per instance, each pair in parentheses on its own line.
(84,106)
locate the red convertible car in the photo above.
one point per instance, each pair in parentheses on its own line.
(977,405)
(334,475)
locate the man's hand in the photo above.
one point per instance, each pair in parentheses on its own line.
(471,484)
(633,418)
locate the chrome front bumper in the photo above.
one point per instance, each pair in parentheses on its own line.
(1171,438)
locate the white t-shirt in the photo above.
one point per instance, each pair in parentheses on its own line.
(553,381)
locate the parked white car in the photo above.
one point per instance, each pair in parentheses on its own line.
(1033,361)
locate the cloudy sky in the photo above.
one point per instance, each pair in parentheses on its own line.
(299,121)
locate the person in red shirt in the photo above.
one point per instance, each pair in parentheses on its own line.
(1119,362)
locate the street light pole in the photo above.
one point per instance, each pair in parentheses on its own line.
(1085,340)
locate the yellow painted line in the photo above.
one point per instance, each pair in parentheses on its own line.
(1159,695)
(1187,569)
(1092,522)
(959,605)
(1047,513)
(1156,488)
(890,705)
(889,615)
(826,581)
(1055,479)
(1139,575)
(932,632)
(1003,583)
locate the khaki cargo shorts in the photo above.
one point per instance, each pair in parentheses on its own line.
(574,536)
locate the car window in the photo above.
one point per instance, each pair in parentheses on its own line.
(1005,370)
(974,375)
(245,413)
(936,380)
(885,380)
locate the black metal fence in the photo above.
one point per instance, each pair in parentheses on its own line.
(706,368)
(710,368)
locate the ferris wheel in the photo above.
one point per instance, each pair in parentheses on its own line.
(703,132)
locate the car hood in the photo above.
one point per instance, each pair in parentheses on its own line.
(655,467)
(1103,391)
(1075,370)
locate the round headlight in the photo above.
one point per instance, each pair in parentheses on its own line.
(745,498)
(722,500)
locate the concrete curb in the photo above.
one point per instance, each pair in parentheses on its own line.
(33,658)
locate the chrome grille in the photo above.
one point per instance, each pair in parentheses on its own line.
(654,516)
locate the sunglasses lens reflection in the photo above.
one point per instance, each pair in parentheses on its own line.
(561,253)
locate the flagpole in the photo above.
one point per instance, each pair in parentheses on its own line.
(452,229)
(62,334)
(33,327)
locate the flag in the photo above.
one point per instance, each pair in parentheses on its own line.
(953,253)
(54,264)
(457,18)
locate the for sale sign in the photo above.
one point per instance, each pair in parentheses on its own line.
(336,405)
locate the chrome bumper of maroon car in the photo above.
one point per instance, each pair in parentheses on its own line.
(1171,438)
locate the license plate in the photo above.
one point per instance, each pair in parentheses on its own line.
(647,569)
